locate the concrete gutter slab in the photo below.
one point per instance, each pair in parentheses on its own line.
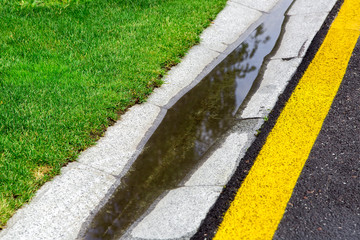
(183,74)
(230,24)
(191,66)
(61,206)
(309,7)
(277,74)
(299,32)
(221,164)
(115,149)
(180,212)
(162,96)
(178,215)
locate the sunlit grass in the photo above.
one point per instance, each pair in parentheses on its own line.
(69,68)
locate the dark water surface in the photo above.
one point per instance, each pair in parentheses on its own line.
(188,130)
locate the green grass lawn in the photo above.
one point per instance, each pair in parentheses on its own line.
(69,68)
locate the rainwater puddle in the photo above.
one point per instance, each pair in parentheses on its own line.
(188,130)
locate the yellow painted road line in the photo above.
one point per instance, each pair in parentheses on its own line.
(262,198)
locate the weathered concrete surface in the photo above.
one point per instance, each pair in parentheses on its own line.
(112,152)
(299,33)
(309,7)
(220,165)
(60,206)
(305,18)
(171,217)
(179,213)
(233,21)
(277,74)
(183,75)
(229,25)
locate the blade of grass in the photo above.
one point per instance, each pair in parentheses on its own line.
(68,68)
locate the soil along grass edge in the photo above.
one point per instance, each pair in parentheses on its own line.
(67,71)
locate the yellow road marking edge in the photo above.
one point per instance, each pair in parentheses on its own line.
(262,198)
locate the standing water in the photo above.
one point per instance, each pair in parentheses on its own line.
(187,131)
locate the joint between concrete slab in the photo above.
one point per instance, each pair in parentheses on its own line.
(249,118)
(263,12)
(307,14)
(286,59)
(196,185)
(98,169)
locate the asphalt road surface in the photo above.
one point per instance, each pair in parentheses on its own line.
(326,200)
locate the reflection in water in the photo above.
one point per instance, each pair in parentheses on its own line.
(188,130)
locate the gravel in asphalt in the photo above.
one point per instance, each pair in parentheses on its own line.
(326,200)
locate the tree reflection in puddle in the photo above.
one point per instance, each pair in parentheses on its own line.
(188,130)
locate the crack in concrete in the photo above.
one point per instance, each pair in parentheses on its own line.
(241,4)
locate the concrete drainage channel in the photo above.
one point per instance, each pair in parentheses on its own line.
(188,132)
(210,144)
